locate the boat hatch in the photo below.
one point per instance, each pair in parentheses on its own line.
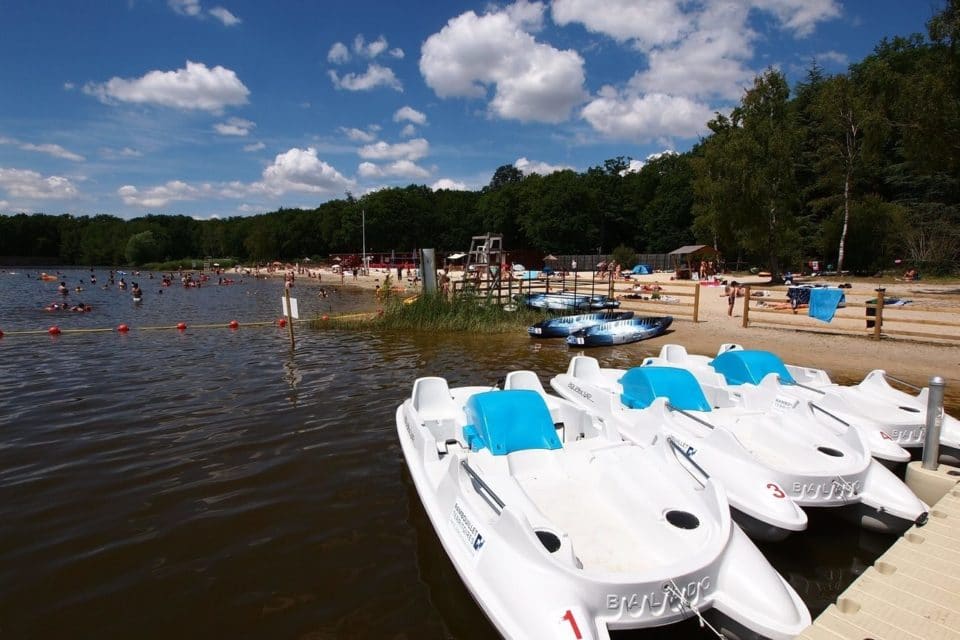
(682,519)
(508,421)
(643,385)
(741,367)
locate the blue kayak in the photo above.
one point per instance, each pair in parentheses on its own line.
(563,326)
(570,302)
(620,331)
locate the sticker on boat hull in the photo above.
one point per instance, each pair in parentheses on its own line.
(466,530)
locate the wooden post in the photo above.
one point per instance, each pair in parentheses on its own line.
(286,295)
(696,303)
(746,307)
(878,323)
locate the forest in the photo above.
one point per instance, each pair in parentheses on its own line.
(858,170)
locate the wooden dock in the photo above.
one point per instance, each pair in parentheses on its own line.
(912,592)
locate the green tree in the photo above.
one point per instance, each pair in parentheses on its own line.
(142,247)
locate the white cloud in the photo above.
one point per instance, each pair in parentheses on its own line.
(234,127)
(194,87)
(532,81)
(54,150)
(834,56)
(409,150)
(256,146)
(645,118)
(224,16)
(800,16)
(648,23)
(397,53)
(397,169)
(27,184)
(4,205)
(359,135)
(125,152)
(300,170)
(408,131)
(409,114)
(447,183)
(160,196)
(338,53)
(528,167)
(711,61)
(295,171)
(374,77)
(634,167)
(369,49)
(69,86)
(185,7)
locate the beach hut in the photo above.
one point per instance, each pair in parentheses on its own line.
(686,259)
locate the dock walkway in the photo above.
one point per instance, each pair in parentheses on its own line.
(912,592)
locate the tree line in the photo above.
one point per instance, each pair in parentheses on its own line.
(855,170)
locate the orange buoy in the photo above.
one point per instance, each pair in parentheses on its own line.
(325,317)
(234,324)
(54,330)
(282,322)
(1,333)
(122,328)
(181,326)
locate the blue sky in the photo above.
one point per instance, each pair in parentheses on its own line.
(234,107)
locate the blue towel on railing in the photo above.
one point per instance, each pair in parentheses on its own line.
(824,303)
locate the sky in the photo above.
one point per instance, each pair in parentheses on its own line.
(222,108)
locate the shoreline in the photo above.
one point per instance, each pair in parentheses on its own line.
(848,357)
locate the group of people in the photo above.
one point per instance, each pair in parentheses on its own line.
(612,269)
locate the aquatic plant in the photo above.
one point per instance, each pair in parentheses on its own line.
(438,313)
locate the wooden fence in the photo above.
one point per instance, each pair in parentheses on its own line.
(680,299)
(867,312)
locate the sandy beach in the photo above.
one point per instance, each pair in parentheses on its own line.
(846,357)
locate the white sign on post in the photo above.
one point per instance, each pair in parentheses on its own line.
(294,312)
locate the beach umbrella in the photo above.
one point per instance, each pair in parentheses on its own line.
(550,258)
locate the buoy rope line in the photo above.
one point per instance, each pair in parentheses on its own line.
(123,328)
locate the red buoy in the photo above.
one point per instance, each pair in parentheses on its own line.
(122,328)
(181,326)
(325,317)
(1,333)
(282,322)
(234,324)
(54,330)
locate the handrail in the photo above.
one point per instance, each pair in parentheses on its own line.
(903,382)
(676,447)
(821,409)
(802,386)
(691,416)
(478,484)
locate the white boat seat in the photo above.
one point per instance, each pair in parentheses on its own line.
(523,380)
(435,406)
(674,353)
(587,369)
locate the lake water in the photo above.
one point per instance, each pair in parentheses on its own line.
(215,483)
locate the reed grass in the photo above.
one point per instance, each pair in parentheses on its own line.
(437,313)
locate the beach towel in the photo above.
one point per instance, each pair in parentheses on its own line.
(824,303)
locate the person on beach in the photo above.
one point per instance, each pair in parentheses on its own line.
(731,291)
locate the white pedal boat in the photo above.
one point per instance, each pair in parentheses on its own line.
(560,529)
(785,452)
(900,415)
(759,379)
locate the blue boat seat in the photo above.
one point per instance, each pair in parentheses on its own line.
(750,367)
(643,385)
(508,421)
